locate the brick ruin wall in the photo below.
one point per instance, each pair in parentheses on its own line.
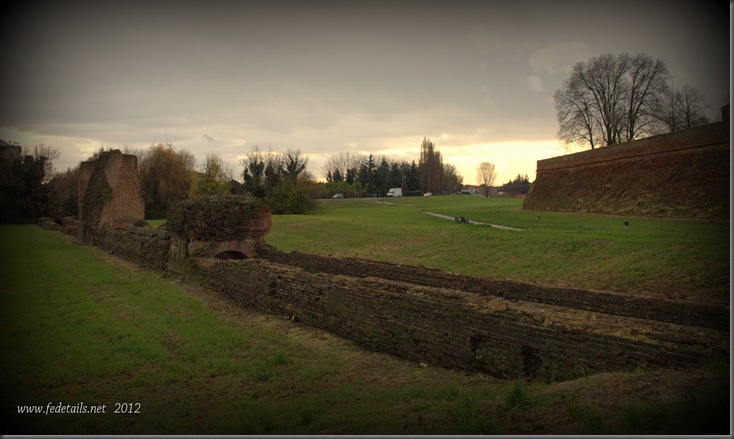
(109,192)
(663,310)
(479,324)
(683,174)
(459,329)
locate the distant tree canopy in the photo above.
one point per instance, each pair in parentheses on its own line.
(611,99)
(214,177)
(356,175)
(166,176)
(452,180)
(518,185)
(24,196)
(63,194)
(281,179)
(431,167)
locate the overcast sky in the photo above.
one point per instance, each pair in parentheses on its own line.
(476,77)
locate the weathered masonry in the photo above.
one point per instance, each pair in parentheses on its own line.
(471,323)
(544,335)
(682,174)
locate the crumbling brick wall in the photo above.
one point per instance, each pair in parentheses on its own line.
(458,329)
(664,310)
(682,174)
(109,193)
(216,225)
(145,246)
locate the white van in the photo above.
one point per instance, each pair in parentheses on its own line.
(395,192)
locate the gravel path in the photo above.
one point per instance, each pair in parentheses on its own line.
(496,226)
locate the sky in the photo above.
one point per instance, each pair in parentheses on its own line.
(368,77)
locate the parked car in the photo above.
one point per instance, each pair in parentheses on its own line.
(427,194)
(338,196)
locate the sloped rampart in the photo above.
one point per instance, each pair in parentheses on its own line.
(684,174)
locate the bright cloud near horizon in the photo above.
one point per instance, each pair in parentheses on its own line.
(475,77)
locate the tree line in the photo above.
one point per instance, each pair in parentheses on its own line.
(24,192)
(357,175)
(29,188)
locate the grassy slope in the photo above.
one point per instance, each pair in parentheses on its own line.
(673,258)
(80,326)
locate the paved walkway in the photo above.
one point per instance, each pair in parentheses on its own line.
(496,226)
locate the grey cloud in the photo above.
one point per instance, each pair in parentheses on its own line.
(322,75)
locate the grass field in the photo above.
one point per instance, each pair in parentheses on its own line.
(673,258)
(82,327)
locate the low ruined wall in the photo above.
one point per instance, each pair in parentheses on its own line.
(459,329)
(499,327)
(144,246)
(477,324)
(664,310)
(49,224)
(216,225)
(682,174)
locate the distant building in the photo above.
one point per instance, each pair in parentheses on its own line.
(9,152)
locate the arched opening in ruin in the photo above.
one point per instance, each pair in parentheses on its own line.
(231,254)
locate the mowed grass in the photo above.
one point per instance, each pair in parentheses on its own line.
(80,327)
(667,257)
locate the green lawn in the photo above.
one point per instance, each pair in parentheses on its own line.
(81,328)
(675,258)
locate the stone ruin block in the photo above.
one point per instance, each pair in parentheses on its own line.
(109,193)
(231,227)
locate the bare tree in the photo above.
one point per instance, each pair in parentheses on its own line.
(486,175)
(338,166)
(574,109)
(681,109)
(648,81)
(610,99)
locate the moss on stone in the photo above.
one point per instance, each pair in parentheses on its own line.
(219,218)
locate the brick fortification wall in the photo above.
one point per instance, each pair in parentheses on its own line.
(682,174)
